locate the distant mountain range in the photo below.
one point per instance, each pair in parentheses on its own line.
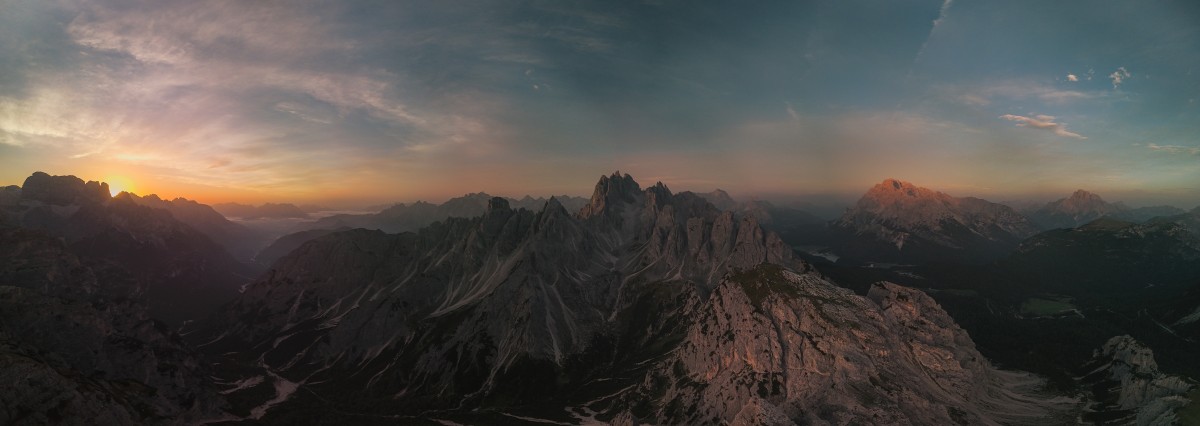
(268,210)
(896,221)
(1083,207)
(237,239)
(411,217)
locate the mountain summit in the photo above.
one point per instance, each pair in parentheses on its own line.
(899,221)
(1080,208)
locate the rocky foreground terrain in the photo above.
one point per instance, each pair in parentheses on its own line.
(78,347)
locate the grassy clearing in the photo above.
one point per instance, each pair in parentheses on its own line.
(1039,306)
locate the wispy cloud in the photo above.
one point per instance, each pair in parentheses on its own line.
(984,94)
(1119,77)
(183,83)
(942,13)
(1072,78)
(1174,149)
(1042,122)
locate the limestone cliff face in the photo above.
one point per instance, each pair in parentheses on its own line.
(771,346)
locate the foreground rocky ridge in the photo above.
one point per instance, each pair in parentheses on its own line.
(78,347)
(771,346)
(1129,388)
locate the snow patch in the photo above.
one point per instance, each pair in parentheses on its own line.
(284,389)
(1190,318)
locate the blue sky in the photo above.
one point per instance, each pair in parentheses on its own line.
(362,101)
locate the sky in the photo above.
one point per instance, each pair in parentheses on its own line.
(381,101)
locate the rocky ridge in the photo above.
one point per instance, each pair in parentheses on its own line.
(771,346)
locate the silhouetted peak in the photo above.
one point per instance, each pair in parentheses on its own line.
(497,203)
(552,204)
(614,190)
(63,190)
(660,189)
(125,196)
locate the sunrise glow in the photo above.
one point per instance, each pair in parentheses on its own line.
(118,184)
(334,103)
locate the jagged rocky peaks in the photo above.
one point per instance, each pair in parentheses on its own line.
(611,194)
(476,300)
(899,221)
(63,190)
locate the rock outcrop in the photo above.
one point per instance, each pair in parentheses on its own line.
(1129,388)
(771,346)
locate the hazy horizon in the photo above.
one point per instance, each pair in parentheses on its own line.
(822,202)
(361,103)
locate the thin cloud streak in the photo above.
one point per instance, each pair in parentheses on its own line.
(1042,122)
